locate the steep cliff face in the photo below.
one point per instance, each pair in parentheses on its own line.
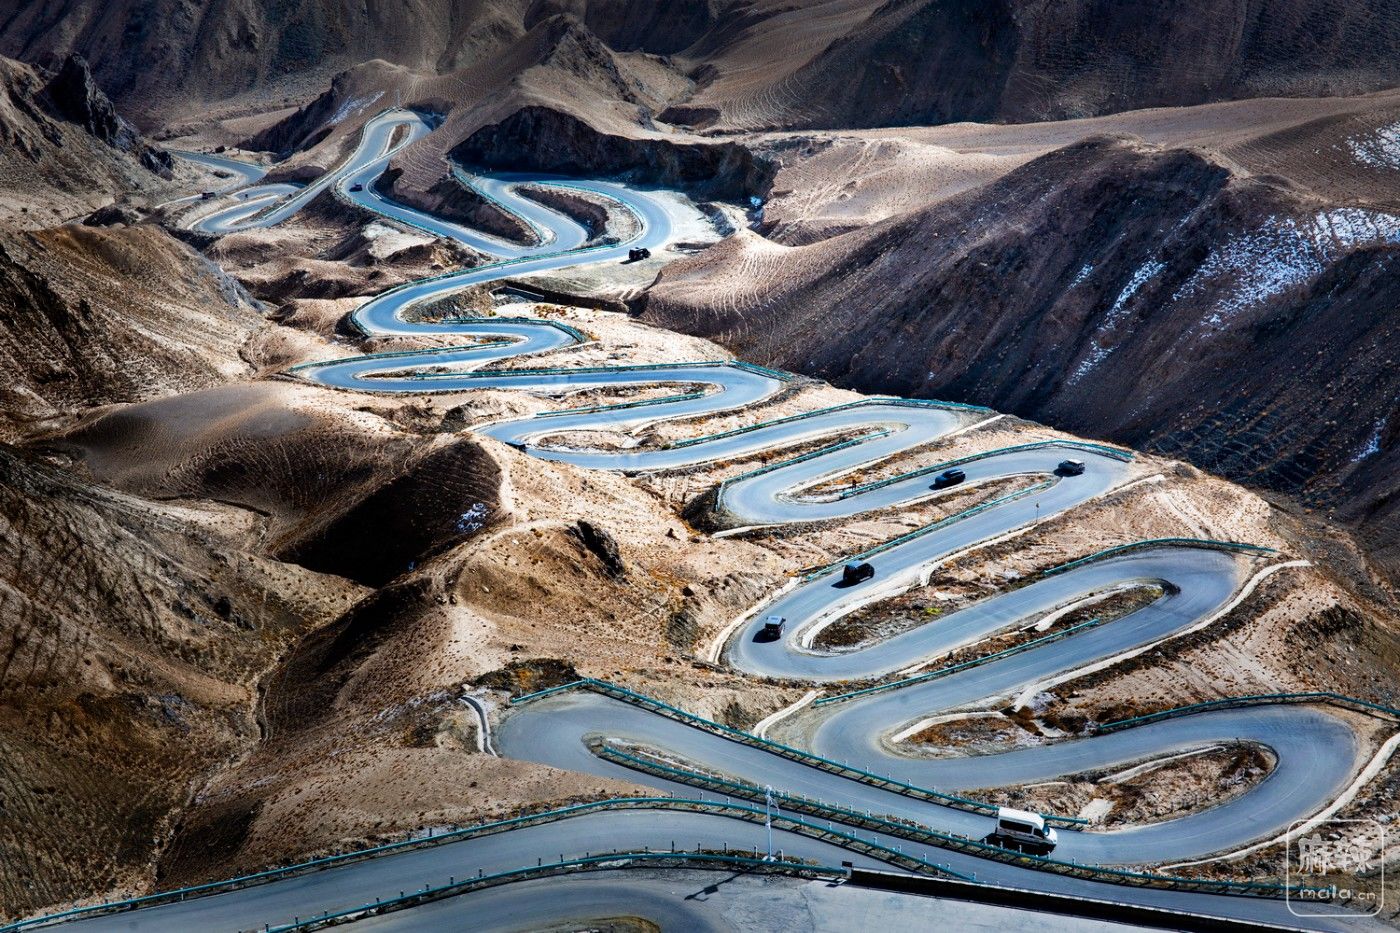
(64,150)
(547,140)
(1144,295)
(73,94)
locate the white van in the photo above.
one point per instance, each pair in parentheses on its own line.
(1023,829)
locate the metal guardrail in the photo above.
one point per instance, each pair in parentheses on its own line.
(965,665)
(1102,450)
(725,808)
(926,529)
(1160,542)
(615,860)
(1255,699)
(885,824)
(785,751)
(468,180)
(816,412)
(907,829)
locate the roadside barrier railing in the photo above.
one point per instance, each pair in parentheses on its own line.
(785,751)
(616,860)
(926,529)
(468,180)
(741,811)
(888,824)
(1112,452)
(962,666)
(573,185)
(818,412)
(1159,542)
(916,832)
(1254,699)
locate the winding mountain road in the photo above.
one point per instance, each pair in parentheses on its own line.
(1317,751)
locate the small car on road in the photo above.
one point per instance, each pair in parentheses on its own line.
(357,187)
(1070,468)
(854,573)
(772,628)
(206,195)
(948,478)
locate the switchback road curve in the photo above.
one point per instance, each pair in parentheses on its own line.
(1317,751)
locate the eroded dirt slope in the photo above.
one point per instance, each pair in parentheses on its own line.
(131,635)
(95,316)
(1148,295)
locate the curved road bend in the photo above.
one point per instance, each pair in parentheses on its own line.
(351,885)
(1317,752)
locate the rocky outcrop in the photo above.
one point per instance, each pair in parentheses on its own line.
(543,139)
(1147,296)
(602,545)
(63,150)
(450,199)
(75,96)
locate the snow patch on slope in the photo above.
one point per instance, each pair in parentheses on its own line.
(354,105)
(1380,149)
(1282,254)
(1098,352)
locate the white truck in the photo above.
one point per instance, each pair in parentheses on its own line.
(1021,829)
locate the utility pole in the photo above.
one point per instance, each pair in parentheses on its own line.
(768,807)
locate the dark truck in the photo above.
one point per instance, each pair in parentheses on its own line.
(1070,468)
(854,573)
(772,628)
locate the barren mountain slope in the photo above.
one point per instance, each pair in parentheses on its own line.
(825,63)
(64,150)
(1343,149)
(1147,295)
(934,61)
(131,635)
(102,315)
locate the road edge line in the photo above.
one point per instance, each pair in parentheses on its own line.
(1024,697)
(1373,767)
(762,727)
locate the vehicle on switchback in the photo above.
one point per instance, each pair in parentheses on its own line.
(948,478)
(205,195)
(1070,468)
(772,628)
(854,573)
(357,187)
(1023,831)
